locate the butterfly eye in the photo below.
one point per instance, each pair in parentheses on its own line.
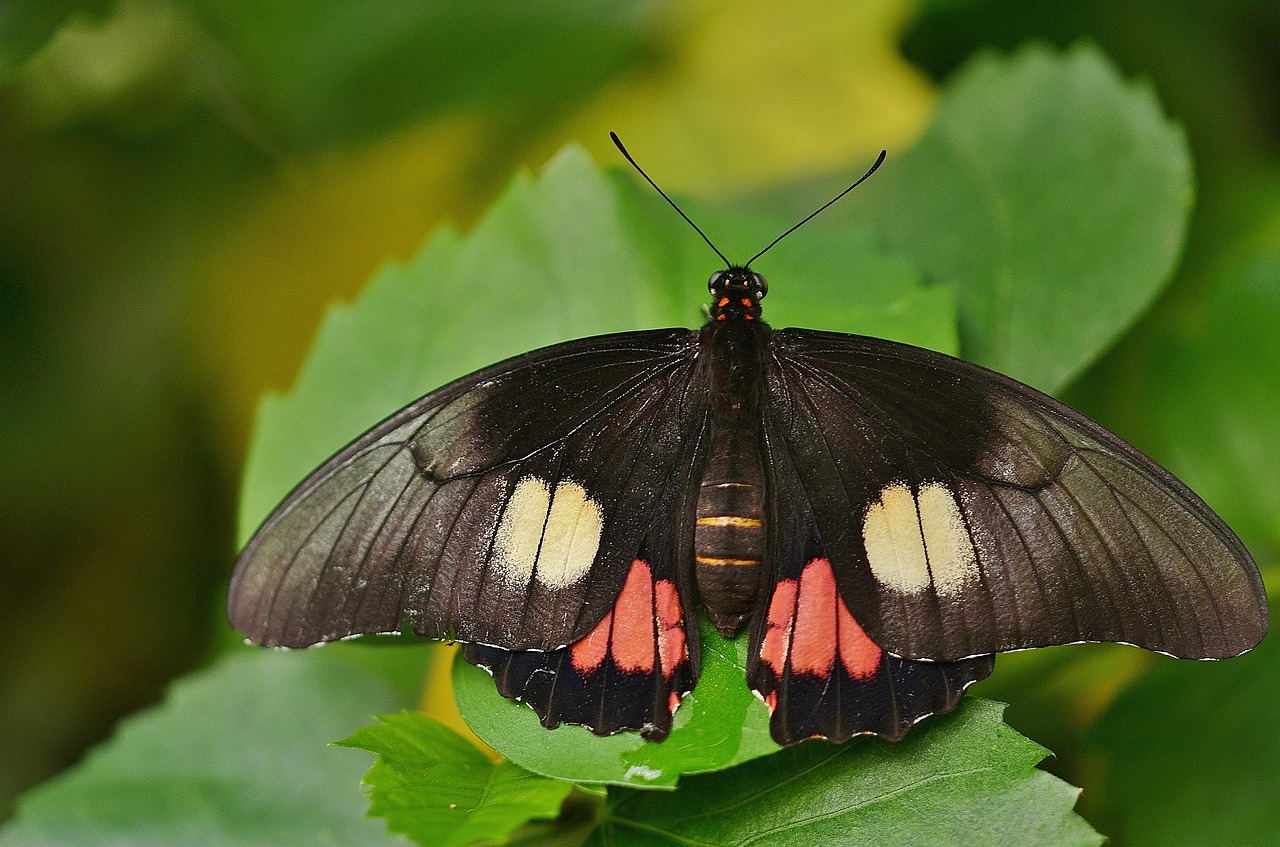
(761,285)
(715,280)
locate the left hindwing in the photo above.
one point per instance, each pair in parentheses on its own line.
(506,508)
(965,513)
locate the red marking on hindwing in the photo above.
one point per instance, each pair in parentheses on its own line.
(673,702)
(858,653)
(813,639)
(632,645)
(809,625)
(672,646)
(643,612)
(771,700)
(777,638)
(587,653)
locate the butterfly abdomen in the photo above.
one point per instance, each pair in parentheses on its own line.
(729,538)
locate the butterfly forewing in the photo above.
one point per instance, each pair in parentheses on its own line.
(965,513)
(505,508)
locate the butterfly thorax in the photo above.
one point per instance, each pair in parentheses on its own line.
(729,534)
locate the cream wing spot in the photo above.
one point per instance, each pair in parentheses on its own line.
(519,535)
(952,561)
(894,542)
(571,538)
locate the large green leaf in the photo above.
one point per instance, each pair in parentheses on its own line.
(964,779)
(1052,195)
(436,787)
(236,755)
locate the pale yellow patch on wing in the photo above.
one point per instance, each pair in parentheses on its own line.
(952,561)
(571,538)
(515,546)
(893,541)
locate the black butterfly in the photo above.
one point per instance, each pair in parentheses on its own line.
(882,518)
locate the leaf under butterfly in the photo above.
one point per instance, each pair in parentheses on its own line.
(964,778)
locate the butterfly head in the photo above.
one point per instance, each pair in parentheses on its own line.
(736,293)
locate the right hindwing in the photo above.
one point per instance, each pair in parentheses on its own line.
(818,670)
(506,508)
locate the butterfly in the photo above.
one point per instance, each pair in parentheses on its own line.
(881,519)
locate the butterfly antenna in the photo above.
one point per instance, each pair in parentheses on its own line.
(618,142)
(821,209)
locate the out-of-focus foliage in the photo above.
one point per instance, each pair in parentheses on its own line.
(1175,717)
(187,184)
(26,25)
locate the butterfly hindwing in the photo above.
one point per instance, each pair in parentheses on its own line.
(505,508)
(965,513)
(630,672)
(817,669)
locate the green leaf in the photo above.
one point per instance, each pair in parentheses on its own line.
(435,786)
(321,72)
(1052,195)
(237,754)
(569,254)
(1192,750)
(965,778)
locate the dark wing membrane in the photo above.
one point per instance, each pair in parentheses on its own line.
(636,664)
(504,508)
(817,669)
(966,513)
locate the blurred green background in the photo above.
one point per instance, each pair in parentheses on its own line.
(185,186)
